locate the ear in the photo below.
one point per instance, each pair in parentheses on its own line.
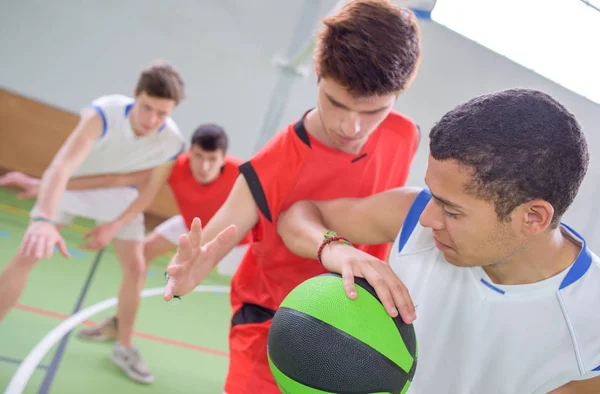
(538,216)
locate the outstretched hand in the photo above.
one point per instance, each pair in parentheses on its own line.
(30,186)
(193,262)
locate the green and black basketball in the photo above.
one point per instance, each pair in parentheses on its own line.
(320,341)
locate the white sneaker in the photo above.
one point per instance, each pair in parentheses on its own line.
(130,361)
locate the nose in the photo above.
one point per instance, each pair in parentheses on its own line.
(431,217)
(351,124)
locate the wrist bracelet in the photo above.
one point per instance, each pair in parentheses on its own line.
(43,219)
(329,237)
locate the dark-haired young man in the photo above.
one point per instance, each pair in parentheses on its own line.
(351,145)
(201,180)
(504,290)
(116,135)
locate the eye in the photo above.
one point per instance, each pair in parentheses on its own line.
(450,215)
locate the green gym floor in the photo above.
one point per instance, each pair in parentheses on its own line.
(184,343)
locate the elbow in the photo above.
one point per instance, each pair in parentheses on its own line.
(283,226)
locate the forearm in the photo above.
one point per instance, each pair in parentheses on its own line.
(302,228)
(144,200)
(52,187)
(108,180)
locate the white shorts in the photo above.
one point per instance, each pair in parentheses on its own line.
(172,228)
(102,206)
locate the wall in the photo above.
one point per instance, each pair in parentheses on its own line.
(224,50)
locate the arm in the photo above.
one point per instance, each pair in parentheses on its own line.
(104,233)
(108,180)
(200,250)
(69,157)
(239,210)
(371,220)
(31,186)
(587,386)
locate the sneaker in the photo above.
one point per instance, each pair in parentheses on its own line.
(105,331)
(130,361)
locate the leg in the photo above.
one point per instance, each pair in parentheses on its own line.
(162,240)
(249,370)
(124,355)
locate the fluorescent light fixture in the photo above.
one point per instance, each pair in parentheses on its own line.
(558,39)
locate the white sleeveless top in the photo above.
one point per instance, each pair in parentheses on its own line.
(119,150)
(478,337)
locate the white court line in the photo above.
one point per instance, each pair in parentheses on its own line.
(23,374)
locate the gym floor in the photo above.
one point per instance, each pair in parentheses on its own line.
(183,342)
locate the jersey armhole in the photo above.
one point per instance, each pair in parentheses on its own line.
(102,114)
(256,188)
(412,217)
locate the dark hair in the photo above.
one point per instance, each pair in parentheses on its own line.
(520,145)
(371,47)
(161,80)
(210,137)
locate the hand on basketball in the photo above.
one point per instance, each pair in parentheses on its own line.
(40,239)
(193,262)
(350,262)
(30,185)
(101,235)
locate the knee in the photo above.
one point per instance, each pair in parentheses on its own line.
(136,268)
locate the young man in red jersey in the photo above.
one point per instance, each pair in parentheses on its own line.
(351,145)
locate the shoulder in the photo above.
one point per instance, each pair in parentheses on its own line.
(400,125)
(285,147)
(233,161)
(580,294)
(113,101)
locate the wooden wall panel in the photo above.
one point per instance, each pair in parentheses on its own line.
(32,132)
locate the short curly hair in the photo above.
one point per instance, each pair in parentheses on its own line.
(520,144)
(371,47)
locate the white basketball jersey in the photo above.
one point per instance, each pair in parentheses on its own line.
(477,337)
(119,150)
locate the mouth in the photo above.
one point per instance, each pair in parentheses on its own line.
(440,245)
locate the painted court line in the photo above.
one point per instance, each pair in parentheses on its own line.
(58,354)
(17,362)
(137,334)
(33,359)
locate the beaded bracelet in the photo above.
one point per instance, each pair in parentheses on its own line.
(329,237)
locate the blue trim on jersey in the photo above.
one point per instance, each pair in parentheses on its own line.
(128,109)
(104,122)
(491,286)
(580,266)
(412,217)
(422,14)
(162,127)
(597,368)
(178,153)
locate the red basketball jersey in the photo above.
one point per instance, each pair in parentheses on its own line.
(295,166)
(195,199)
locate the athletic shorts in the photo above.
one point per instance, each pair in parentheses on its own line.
(103,206)
(249,371)
(172,228)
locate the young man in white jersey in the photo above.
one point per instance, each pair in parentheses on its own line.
(506,297)
(116,134)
